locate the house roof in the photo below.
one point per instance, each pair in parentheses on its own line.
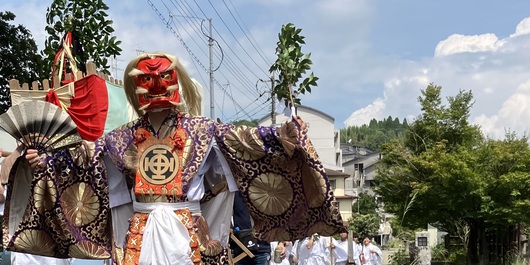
(335,173)
(367,160)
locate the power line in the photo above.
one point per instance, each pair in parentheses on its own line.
(230,71)
(231,66)
(231,33)
(253,41)
(194,57)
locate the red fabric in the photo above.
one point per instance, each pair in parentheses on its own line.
(51,96)
(89,107)
(68,41)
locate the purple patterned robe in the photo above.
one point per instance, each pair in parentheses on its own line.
(276,169)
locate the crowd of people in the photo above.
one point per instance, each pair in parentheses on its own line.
(315,250)
(321,250)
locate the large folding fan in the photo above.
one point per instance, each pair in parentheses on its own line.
(40,125)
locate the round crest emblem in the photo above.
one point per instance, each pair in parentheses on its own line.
(158,165)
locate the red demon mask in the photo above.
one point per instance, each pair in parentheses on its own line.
(157,87)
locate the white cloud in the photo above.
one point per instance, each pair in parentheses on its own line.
(512,116)
(397,101)
(362,116)
(495,70)
(522,28)
(457,43)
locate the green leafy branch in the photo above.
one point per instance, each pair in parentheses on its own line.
(291,65)
(88,20)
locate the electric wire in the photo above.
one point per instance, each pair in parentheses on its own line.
(231,67)
(194,57)
(177,30)
(253,42)
(236,72)
(231,33)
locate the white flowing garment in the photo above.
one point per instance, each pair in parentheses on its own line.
(340,251)
(375,258)
(318,254)
(166,235)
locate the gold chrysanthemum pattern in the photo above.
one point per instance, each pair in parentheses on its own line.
(288,136)
(88,250)
(45,195)
(271,194)
(81,204)
(315,187)
(35,241)
(246,143)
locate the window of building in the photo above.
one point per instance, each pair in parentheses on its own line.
(422,241)
(359,167)
(367,183)
(333,183)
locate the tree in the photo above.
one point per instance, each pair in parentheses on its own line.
(504,164)
(251,123)
(438,122)
(19,57)
(364,224)
(365,220)
(291,65)
(445,173)
(365,204)
(87,20)
(375,134)
(427,176)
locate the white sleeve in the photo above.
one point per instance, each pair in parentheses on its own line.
(118,191)
(378,251)
(215,160)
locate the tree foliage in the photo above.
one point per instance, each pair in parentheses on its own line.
(251,123)
(364,224)
(365,204)
(19,57)
(504,166)
(445,173)
(431,163)
(292,64)
(439,122)
(88,20)
(365,220)
(375,133)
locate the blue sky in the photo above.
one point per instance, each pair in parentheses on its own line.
(372,56)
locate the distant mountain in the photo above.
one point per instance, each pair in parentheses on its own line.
(375,133)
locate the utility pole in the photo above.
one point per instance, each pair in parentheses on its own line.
(273,109)
(210,45)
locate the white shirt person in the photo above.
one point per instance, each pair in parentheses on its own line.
(371,254)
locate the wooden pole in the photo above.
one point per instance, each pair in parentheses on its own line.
(331,247)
